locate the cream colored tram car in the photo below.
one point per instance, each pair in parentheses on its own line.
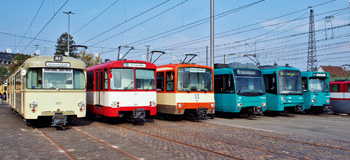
(49,86)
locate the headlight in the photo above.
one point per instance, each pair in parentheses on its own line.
(180,105)
(115,104)
(81,104)
(284,100)
(212,105)
(312,101)
(263,104)
(327,101)
(152,104)
(33,104)
(239,104)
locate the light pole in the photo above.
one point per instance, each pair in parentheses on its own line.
(68,13)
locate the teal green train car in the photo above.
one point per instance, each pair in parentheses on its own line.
(316,91)
(239,88)
(283,89)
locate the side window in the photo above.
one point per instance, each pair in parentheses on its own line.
(160,81)
(348,87)
(34,78)
(270,83)
(304,82)
(170,81)
(18,81)
(101,81)
(335,87)
(90,80)
(228,85)
(106,78)
(96,81)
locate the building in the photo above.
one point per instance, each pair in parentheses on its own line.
(6,58)
(335,72)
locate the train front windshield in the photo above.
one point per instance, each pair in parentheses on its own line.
(52,78)
(289,82)
(249,82)
(318,85)
(123,79)
(194,79)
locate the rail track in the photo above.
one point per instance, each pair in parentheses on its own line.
(70,156)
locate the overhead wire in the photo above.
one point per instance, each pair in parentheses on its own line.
(31,23)
(45,26)
(124,22)
(95,17)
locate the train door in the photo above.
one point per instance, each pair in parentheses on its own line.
(101,92)
(97,89)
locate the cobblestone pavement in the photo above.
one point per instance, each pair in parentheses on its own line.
(160,139)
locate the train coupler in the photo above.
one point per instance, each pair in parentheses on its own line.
(299,108)
(327,109)
(59,120)
(138,114)
(257,110)
(201,112)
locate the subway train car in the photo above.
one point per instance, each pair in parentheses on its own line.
(185,89)
(122,88)
(283,89)
(49,87)
(239,88)
(316,91)
(340,96)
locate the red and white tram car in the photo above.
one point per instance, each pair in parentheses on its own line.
(122,88)
(340,96)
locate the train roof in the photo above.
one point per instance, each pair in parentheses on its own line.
(314,74)
(119,63)
(41,61)
(236,65)
(171,67)
(278,68)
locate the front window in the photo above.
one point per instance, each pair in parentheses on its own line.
(52,78)
(249,82)
(145,79)
(194,79)
(318,85)
(289,82)
(122,79)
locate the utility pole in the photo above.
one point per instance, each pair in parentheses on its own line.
(206,60)
(147,58)
(36,49)
(68,13)
(211,33)
(311,51)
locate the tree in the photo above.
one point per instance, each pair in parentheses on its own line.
(18,60)
(61,46)
(3,73)
(89,58)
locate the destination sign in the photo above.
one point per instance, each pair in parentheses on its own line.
(138,65)
(196,70)
(320,74)
(289,73)
(58,65)
(57,58)
(246,72)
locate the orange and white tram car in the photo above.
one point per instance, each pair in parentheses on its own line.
(49,87)
(185,89)
(122,88)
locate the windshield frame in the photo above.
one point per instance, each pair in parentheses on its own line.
(324,79)
(41,82)
(238,81)
(298,80)
(208,80)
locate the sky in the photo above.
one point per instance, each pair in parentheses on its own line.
(276,31)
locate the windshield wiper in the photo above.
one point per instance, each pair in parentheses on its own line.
(55,88)
(128,85)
